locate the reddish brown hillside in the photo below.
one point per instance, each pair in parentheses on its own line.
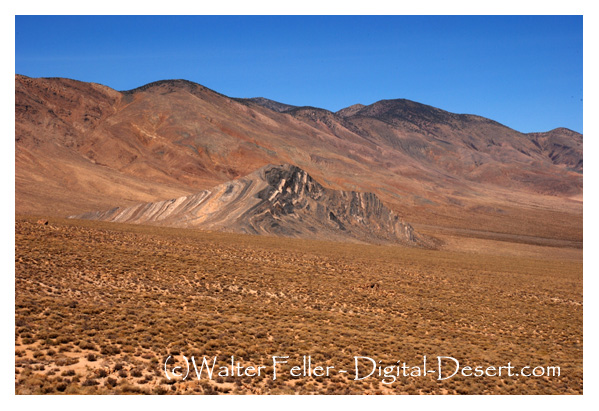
(83,147)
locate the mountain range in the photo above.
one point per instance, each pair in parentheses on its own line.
(84,147)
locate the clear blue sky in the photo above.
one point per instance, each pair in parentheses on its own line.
(523,71)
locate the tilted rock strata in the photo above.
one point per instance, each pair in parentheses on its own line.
(275,200)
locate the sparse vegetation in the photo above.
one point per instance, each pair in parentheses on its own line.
(100,306)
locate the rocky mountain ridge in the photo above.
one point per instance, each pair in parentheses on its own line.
(275,200)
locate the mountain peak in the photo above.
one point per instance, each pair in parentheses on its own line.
(169,86)
(350,111)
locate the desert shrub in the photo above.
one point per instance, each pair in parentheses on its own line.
(61,362)
(129,388)
(86,345)
(160,390)
(63,339)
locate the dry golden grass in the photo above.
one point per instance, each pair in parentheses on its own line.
(100,306)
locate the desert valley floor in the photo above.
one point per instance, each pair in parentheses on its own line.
(100,306)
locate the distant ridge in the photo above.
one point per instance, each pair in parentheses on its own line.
(171,85)
(269,104)
(350,111)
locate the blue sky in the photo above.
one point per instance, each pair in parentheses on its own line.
(523,71)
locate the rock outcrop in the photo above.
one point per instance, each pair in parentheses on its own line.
(275,200)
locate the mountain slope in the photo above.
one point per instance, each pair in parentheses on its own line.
(562,146)
(350,111)
(269,104)
(82,146)
(275,200)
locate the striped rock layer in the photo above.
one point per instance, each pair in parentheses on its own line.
(278,200)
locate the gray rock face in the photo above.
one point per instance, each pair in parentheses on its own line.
(275,200)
